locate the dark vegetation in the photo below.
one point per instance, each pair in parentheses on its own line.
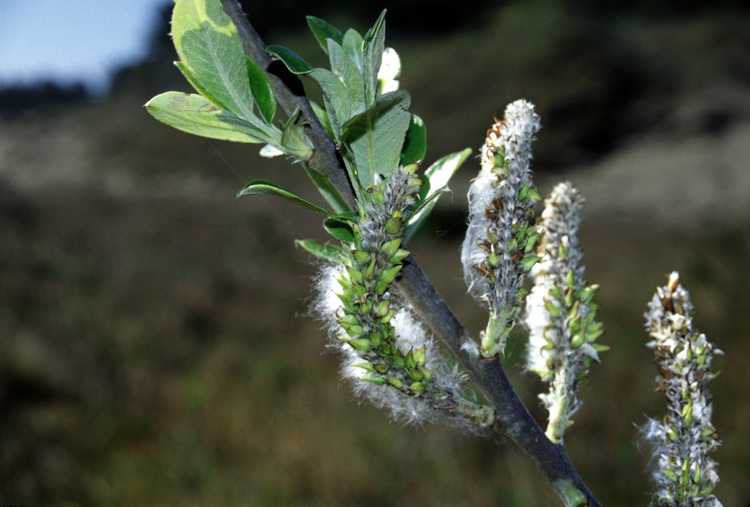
(155,347)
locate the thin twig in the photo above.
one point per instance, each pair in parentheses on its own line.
(514,420)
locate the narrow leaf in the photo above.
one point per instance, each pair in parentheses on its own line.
(329,193)
(436,179)
(210,49)
(335,97)
(322,31)
(374,45)
(415,145)
(348,73)
(353,47)
(261,90)
(260,187)
(294,63)
(195,114)
(328,252)
(322,115)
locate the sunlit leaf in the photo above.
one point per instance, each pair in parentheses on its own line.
(195,114)
(210,49)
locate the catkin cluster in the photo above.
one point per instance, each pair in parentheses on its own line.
(387,353)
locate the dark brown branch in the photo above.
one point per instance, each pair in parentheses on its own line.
(514,420)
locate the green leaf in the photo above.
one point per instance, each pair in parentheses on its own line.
(191,79)
(415,145)
(260,187)
(293,138)
(294,63)
(348,73)
(435,179)
(339,229)
(335,97)
(195,114)
(327,190)
(210,50)
(322,31)
(374,45)
(353,47)
(322,115)
(374,138)
(261,90)
(328,252)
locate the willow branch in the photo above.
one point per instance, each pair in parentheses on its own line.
(514,420)
(290,95)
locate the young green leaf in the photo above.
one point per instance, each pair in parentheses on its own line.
(294,63)
(322,115)
(210,50)
(261,90)
(329,193)
(415,145)
(195,114)
(195,84)
(335,97)
(322,31)
(260,187)
(293,138)
(436,179)
(374,45)
(353,47)
(374,138)
(328,252)
(348,73)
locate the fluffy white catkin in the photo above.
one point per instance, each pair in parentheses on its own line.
(498,249)
(559,311)
(686,475)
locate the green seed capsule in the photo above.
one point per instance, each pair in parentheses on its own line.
(362,344)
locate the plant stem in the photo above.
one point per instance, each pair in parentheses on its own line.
(514,419)
(291,96)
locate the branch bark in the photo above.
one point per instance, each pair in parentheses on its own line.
(514,420)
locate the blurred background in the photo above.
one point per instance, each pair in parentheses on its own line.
(156,346)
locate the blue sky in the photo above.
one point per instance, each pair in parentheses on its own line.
(71,41)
